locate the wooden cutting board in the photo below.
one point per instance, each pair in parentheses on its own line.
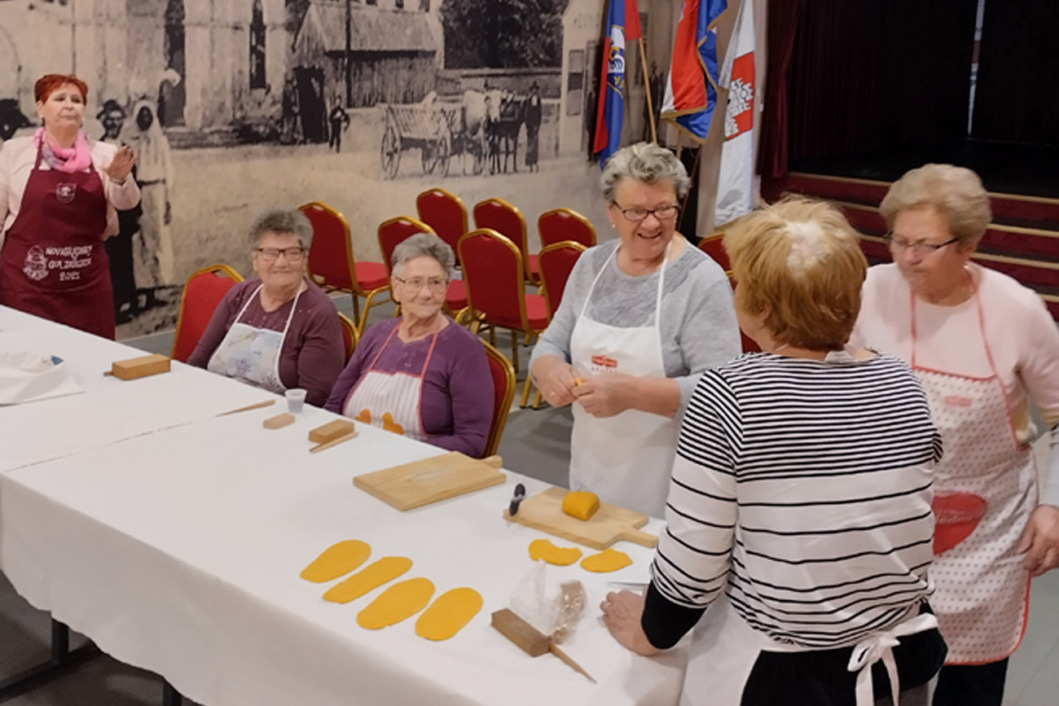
(429,480)
(610,524)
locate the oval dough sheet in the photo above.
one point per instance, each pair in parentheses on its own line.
(560,556)
(386,569)
(337,560)
(449,613)
(400,601)
(606,561)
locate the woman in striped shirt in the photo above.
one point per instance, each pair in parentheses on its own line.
(800,495)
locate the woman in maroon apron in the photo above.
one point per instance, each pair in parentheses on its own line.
(983,346)
(58,195)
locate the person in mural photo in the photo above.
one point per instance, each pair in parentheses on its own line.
(338,120)
(534,113)
(278,331)
(119,247)
(152,246)
(641,318)
(986,349)
(420,375)
(59,195)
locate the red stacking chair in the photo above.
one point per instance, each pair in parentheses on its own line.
(496,290)
(503,392)
(561,224)
(505,219)
(395,230)
(350,335)
(749,346)
(332,265)
(713,246)
(446,214)
(203,291)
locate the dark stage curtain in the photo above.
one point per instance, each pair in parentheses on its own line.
(875,76)
(1015,99)
(772,150)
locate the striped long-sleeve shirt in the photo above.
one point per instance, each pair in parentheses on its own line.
(803,489)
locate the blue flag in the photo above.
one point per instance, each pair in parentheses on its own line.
(623,22)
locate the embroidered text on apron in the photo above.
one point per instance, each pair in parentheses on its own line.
(625,459)
(250,354)
(981,586)
(390,401)
(53,263)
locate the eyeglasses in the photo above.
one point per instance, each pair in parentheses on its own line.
(919,247)
(434,284)
(293,254)
(662,213)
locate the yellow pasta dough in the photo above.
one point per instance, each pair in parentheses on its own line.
(449,613)
(396,603)
(560,556)
(368,579)
(606,561)
(337,560)
(580,504)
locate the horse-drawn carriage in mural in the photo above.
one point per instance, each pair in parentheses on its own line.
(480,129)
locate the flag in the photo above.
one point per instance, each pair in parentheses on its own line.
(735,186)
(691,93)
(623,22)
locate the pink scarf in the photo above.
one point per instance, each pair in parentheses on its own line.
(63,159)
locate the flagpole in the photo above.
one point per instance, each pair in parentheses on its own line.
(647,82)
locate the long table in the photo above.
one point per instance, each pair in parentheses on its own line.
(178,550)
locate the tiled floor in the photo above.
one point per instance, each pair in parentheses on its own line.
(535,443)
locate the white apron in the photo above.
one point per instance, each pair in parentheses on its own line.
(724,649)
(981,586)
(390,401)
(251,354)
(626,459)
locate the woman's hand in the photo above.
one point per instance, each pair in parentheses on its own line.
(120,167)
(1040,540)
(621,614)
(605,395)
(556,379)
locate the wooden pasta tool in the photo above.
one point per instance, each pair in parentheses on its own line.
(531,640)
(140,367)
(331,434)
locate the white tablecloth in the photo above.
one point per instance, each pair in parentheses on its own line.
(179,551)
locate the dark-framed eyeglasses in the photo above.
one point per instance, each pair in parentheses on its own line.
(434,284)
(923,248)
(662,213)
(293,254)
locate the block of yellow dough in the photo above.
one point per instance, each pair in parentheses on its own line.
(580,504)
(400,601)
(386,569)
(606,561)
(337,560)
(449,613)
(560,556)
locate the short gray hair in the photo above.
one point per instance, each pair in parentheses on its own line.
(423,245)
(282,220)
(646,162)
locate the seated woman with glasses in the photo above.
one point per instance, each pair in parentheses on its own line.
(277,331)
(420,375)
(642,316)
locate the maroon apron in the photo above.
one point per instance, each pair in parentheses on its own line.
(53,263)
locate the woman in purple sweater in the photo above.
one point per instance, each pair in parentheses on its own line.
(277,331)
(420,375)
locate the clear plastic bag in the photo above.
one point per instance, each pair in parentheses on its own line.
(553,609)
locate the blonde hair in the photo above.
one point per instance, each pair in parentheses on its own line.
(954,192)
(800,261)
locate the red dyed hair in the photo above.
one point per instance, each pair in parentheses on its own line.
(47,84)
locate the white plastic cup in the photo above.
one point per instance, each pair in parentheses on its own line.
(295,400)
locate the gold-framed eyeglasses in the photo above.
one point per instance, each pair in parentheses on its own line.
(293,254)
(436,285)
(919,247)
(662,213)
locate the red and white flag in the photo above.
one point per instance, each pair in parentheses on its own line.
(735,185)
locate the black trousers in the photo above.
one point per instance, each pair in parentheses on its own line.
(976,685)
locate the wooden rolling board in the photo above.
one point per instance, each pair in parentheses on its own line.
(610,524)
(429,480)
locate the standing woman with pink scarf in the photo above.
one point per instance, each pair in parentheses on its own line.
(58,199)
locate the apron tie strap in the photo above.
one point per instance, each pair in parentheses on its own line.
(880,646)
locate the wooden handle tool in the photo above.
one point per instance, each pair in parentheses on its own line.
(256,405)
(333,442)
(530,640)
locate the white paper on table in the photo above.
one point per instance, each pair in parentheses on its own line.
(28,376)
